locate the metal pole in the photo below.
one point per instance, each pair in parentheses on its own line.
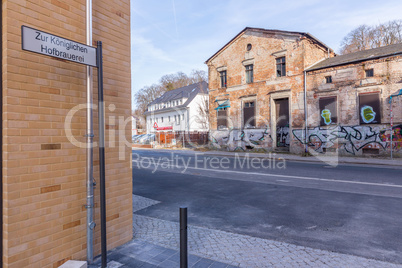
(89,138)
(392,134)
(305,111)
(183,238)
(101,124)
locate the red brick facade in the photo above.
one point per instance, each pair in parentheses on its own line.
(279,100)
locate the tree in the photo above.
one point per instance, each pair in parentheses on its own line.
(202,117)
(367,37)
(166,83)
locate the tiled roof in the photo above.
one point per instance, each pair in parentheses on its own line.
(188,92)
(359,56)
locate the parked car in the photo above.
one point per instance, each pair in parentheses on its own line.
(146,139)
(136,138)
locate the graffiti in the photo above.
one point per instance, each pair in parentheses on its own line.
(350,138)
(282,137)
(241,139)
(367,113)
(326,114)
(385,136)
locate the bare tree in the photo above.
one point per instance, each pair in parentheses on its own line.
(367,37)
(166,83)
(202,117)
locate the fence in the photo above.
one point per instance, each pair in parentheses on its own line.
(190,139)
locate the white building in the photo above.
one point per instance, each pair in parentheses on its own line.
(182,109)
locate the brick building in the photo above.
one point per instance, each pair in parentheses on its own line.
(43,173)
(262,82)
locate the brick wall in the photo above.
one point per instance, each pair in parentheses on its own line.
(43,173)
(267,87)
(348,82)
(347,137)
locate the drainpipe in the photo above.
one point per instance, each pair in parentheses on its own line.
(89,136)
(305,111)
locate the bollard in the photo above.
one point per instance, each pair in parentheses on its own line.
(183,238)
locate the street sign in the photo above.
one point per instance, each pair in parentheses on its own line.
(164,128)
(52,45)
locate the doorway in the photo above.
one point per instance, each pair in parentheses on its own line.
(282,123)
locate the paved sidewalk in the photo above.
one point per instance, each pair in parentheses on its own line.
(242,250)
(319,158)
(334,159)
(156,244)
(139,253)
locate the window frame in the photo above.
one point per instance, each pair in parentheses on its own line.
(225,119)
(280,66)
(249,73)
(328,79)
(246,108)
(223,78)
(369,73)
(334,112)
(376,110)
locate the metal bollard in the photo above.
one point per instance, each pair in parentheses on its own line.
(183,238)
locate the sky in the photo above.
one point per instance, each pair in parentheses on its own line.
(170,36)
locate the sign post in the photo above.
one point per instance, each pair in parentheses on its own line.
(44,43)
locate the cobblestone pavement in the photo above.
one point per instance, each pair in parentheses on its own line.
(142,254)
(140,202)
(242,250)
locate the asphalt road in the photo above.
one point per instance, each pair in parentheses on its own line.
(352,209)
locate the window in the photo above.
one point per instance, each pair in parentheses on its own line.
(162,119)
(169,118)
(328,79)
(221,117)
(280,67)
(249,114)
(182,117)
(223,79)
(249,47)
(369,108)
(369,73)
(328,111)
(249,74)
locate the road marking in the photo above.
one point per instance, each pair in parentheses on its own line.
(302,178)
(291,177)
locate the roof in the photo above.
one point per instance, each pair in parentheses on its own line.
(359,56)
(301,34)
(188,92)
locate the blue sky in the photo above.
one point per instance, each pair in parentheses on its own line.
(168,36)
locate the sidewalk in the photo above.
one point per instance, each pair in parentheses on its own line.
(320,158)
(139,253)
(156,242)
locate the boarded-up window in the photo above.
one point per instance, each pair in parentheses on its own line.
(328,111)
(282,112)
(249,114)
(369,108)
(222,118)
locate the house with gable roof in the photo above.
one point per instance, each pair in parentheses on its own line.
(179,110)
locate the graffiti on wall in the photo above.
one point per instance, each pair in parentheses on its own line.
(396,137)
(240,139)
(350,138)
(282,137)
